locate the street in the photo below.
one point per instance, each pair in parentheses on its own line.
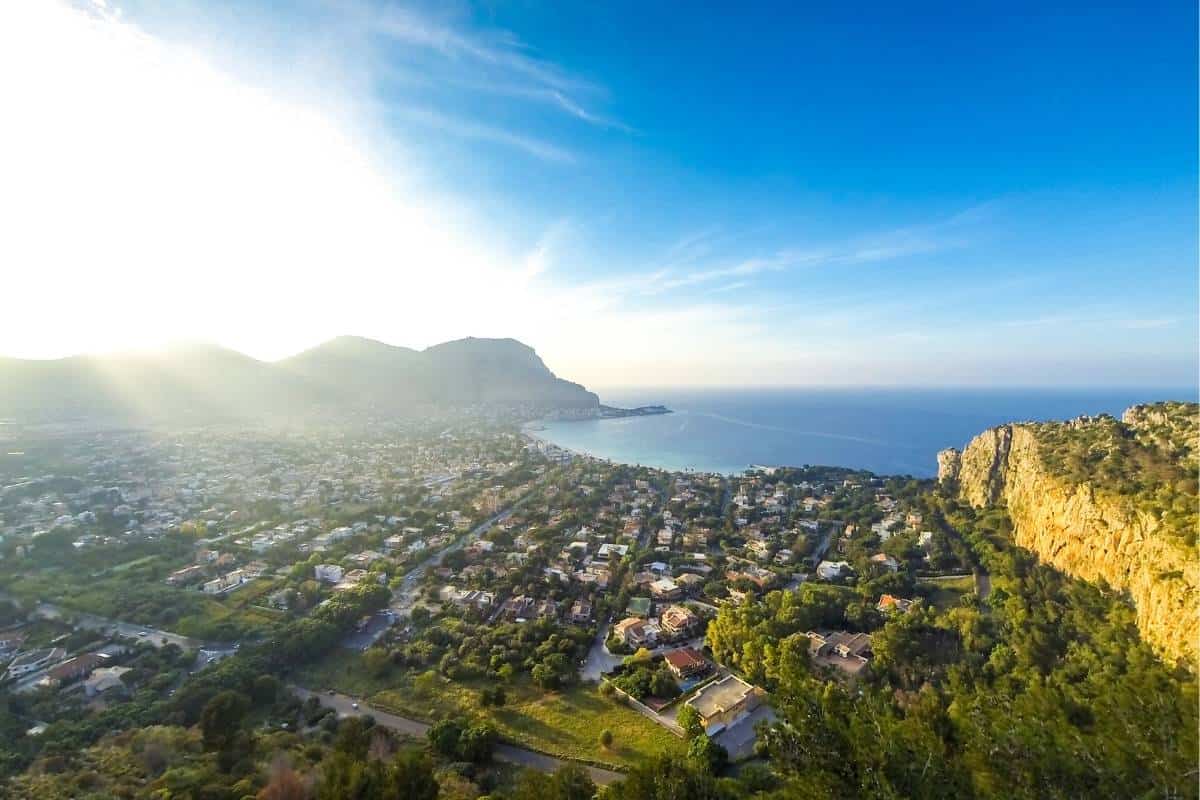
(143,633)
(600,661)
(405,597)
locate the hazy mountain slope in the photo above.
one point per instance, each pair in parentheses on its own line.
(1103,499)
(342,374)
(497,372)
(200,381)
(358,371)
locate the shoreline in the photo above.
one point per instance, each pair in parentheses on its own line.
(538,435)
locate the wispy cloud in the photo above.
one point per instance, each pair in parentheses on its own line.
(498,49)
(1102,318)
(469,129)
(690,261)
(729,287)
(493,62)
(1146,324)
(541,257)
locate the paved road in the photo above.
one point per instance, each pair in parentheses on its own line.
(154,636)
(983,586)
(822,548)
(405,597)
(344,705)
(599,660)
(379,622)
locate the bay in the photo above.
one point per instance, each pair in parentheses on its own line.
(887,431)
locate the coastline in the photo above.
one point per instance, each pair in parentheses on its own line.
(535,430)
(893,432)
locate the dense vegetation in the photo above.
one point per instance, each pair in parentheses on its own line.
(1153,462)
(1044,690)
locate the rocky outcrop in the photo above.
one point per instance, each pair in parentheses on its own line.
(1086,531)
(948,463)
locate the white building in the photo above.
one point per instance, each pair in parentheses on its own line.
(830,570)
(329,573)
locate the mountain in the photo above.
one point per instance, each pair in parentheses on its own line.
(344,374)
(462,373)
(1104,500)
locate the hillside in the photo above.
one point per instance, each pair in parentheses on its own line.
(342,375)
(1103,500)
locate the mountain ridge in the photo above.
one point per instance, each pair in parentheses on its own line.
(346,373)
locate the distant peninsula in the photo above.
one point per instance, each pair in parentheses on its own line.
(602,411)
(610,412)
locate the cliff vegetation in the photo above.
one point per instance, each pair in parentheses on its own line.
(1106,500)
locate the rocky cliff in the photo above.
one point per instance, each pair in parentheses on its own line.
(1103,499)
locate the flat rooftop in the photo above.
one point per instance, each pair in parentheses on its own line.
(721,696)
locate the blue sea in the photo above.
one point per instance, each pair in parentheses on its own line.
(887,431)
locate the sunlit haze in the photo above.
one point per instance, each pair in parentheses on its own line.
(272,178)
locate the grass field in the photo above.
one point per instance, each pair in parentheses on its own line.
(130,596)
(948,594)
(565,724)
(343,670)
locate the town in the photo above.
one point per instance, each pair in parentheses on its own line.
(523,584)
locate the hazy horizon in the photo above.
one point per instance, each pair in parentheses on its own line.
(625,391)
(598,183)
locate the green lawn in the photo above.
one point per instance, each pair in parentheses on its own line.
(948,594)
(565,724)
(342,669)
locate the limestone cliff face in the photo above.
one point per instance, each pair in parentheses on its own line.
(1086,532)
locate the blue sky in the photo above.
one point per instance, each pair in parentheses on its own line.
(986,194)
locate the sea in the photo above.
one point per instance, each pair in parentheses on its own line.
(886,431)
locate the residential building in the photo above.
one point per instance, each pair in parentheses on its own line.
(104,679)
(724,703)
(832,570)
(677,621)
(189,574)
(328,573)
(885,561)
(519,607)
(889,604)
(636,632)
(581,612)
(78,667)
(665,589)
(848,652)
(686,662)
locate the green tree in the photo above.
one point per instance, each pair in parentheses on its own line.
(476,743)
(377,660)
(707,754)
(265,689)
(221,719)
(688,718)
(570,782)
(444,736)
(665,778)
